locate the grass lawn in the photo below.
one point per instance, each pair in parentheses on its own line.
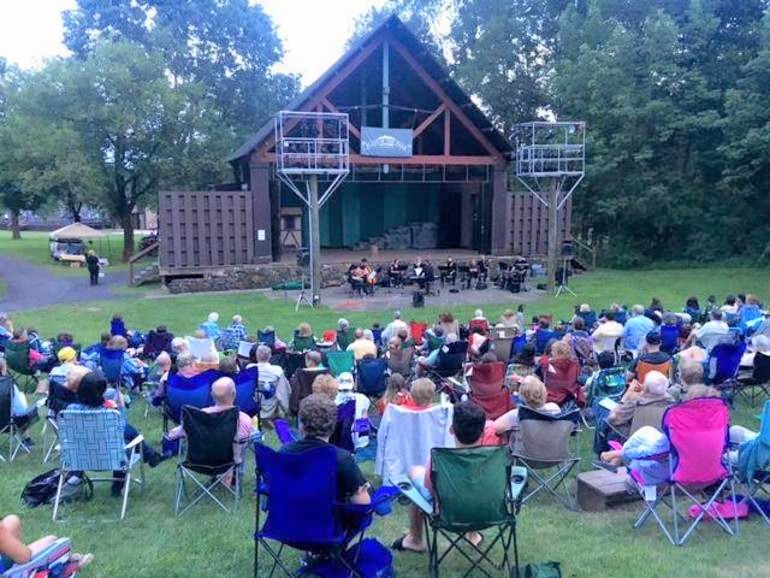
(206,542)
(34,247)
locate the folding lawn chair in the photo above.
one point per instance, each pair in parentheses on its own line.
(93,441)
(343,431)
(194,391)
(111,364)
(722,367)
(482,324)
(13,426)
(303,386)
(697,432)
(669,339)
(54,560)
(372,376)
(753,467)
(542,446)
(304,343)
(542,337)
(246,386)
(284,432)
(758,380)
(59,397)
(417,330)
(17,359)
(266,338)
(493,503)
(340,362)
(210,460)
(400,361)
(345,338)
(299,493)
(450,360)
(487,389)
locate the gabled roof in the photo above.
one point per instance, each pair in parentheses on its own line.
(400,31)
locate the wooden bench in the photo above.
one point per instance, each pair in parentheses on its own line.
(600,489)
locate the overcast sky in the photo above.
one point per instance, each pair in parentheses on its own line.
(31,30)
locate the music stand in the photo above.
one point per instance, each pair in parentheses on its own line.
(564,279)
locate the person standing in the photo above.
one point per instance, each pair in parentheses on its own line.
(92,262)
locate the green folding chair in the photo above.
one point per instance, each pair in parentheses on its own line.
(476,489)
(17,358)
(340,362)
(345,338)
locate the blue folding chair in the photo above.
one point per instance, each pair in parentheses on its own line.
(299,493)
(111,364)
(722,367)
(93,441)
(669,339)
(542,337)
(753,467)
(266,338)
(246,391)
(193,391)
(372,374)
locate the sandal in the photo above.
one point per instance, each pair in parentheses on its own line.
(398,546)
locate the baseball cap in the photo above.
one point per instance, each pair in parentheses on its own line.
(66,354)
(653,338)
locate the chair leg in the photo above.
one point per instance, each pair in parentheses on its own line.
(126,489)
(179,490)
(57,499)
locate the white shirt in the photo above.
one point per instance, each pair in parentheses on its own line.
(711,333)
(393,328)
(605,336)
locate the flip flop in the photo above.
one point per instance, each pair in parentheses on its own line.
(398,546)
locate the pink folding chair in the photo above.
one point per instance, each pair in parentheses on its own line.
(698,467)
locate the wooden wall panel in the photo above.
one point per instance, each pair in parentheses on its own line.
(529,224)
(204,229)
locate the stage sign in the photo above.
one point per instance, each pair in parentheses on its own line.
(386,142)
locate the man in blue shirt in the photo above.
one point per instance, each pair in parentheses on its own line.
(636,328)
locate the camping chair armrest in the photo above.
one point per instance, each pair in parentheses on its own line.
(406,487)
(135,442)
(518,482)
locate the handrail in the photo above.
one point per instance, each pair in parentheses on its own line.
(587,247)
(134,258)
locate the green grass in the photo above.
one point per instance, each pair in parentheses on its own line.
(34,247)
(152,542)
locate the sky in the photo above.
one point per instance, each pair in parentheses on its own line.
(31,31)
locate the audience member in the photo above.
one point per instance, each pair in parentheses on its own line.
(606,335)
(318,419)
(650,357)
(636,328)
(532,394)
(13,550)
(362,346)
(393,328)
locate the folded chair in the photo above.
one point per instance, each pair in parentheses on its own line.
(341,362)
(493,503)
(17,358)
(699,471)
(542,446)
(51,561)
(488,391)
(753,467)
(13,426)
(93,441)
(299,494)
(372,376)
(210,460)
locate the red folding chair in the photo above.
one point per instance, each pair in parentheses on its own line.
(488,391)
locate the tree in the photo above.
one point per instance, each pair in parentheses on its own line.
(15,195)
(121,103)
(228,46)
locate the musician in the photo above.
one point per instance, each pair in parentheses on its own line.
(395,273)
(359,276)
(449,272)
(472,273)
(483,269)
(418,273)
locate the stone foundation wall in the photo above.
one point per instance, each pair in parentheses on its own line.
(267,276)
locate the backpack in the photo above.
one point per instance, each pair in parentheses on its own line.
(42,489)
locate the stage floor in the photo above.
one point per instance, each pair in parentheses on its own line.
(387,300)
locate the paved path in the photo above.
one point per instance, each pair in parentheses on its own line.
(28,286)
